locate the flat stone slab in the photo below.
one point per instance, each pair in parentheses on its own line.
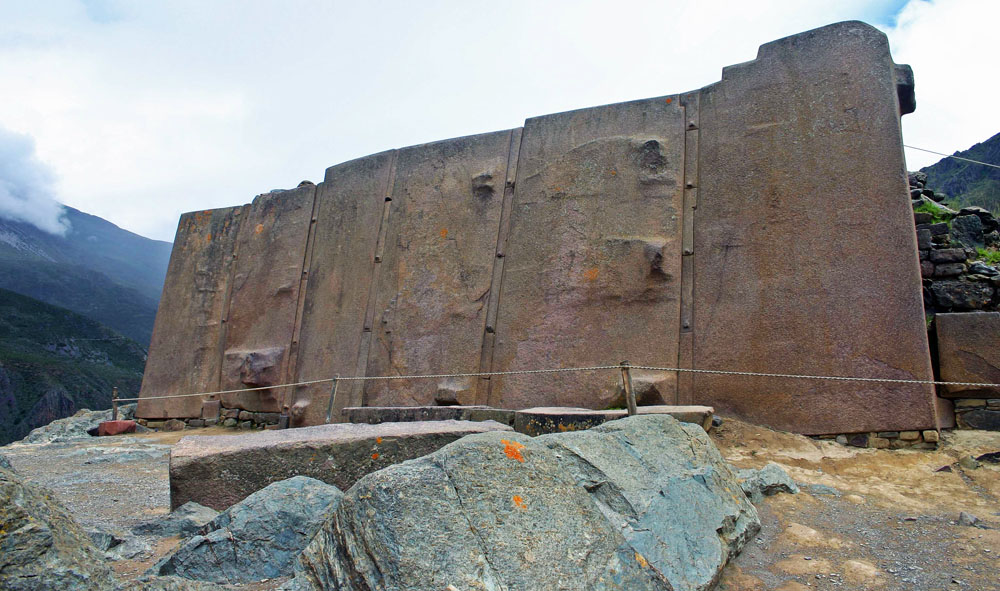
(220,471)
(969,351)
(374,415)
(555,419)
(115,428)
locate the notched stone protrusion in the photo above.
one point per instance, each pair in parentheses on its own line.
(653,250)
(256,368)
(905,89)
(482,186)
(651,156)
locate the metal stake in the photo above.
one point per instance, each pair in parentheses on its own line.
(114,403)
(629,392)
(333,397)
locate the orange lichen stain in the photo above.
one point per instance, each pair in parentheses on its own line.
(259,229)
(374,456)
(444,233)
(208,238)
(669,100)
(591,274)
(519,502)
(641,560)
(378,440)
(513,450)
(614,172)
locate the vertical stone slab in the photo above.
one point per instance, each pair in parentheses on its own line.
(437,267)
(594,253)
(805,255)
(262,306)
(184,351)
(968,346)
(348,213)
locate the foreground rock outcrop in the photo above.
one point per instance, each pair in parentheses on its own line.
(641,503)
(258,538)
(41,546)
(76,426)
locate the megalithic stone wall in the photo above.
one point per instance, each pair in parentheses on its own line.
(758,224)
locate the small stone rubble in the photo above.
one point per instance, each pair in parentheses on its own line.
(927,439)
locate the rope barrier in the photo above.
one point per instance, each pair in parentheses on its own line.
(576,369)
(951,156)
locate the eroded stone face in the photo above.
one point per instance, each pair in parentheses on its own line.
(594,249)
(263,305)
(716,229)
(188,332)
(969,351)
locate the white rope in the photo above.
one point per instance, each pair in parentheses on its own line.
(575,369)
(951,156)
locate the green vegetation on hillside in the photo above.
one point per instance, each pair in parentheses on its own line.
(968,183)
(54,362)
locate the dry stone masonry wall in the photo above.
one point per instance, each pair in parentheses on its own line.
(694,230)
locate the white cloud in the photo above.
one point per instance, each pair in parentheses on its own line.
(26,186)
(150,109)
(949,44)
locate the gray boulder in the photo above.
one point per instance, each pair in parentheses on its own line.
(769,480)
(258,538)
(5,463)
(41,547)
(76,426)
(186,520)
(641,503)
(968,229)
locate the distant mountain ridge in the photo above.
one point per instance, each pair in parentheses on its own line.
(54,362)
(967,183)
(97,269)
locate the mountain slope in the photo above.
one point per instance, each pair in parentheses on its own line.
(54,362)
(968,183)
(97,269)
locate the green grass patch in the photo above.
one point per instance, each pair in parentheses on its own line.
(937,216)
(990,256)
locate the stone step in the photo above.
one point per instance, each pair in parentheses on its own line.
(542,420)
(219,471)
(374,415)
(531,421)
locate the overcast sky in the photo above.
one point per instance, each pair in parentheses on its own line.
(137,111)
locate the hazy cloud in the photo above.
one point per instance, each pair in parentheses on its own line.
(149,109)
(26,183)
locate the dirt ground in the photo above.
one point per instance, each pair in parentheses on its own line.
(865,519)
(868,519)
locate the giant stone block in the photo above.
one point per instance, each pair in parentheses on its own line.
(349,211)
(800,161)
(594,249)
(185,348)
(437,267)
(269,256)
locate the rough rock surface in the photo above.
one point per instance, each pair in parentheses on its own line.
(41,547)
(769,480)
(76,426)
(642,503)
(221,471)
(969,351)
(149,583)
(5,463)
(185,520)
(258,538)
